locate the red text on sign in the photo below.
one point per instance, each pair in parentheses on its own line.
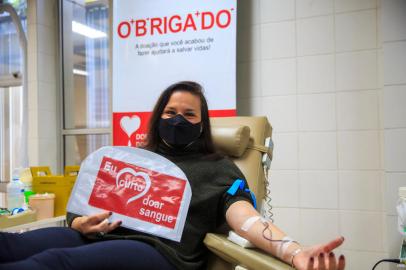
(204,20)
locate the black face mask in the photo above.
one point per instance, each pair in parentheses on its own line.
(179,132)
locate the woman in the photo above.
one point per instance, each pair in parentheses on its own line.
(180,131)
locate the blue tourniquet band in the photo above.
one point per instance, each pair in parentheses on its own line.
(240,185)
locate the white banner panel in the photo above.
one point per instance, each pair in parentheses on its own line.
(159,42)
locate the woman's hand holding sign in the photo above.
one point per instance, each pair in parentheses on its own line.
(95,223)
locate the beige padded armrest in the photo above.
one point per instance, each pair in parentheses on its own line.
(231,140)
(253,259)
(250,161)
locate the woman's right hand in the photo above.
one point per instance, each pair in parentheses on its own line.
(95,223)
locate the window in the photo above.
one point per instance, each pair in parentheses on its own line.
(13,114)
(86,95)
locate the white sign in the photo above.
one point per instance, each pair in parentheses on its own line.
(157,43)
(144,190)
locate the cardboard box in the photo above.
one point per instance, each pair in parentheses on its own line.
(17,219)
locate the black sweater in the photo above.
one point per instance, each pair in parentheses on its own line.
(210,176)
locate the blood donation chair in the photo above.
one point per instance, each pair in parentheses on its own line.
(247,141)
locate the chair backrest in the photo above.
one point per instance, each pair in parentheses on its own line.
(243,139)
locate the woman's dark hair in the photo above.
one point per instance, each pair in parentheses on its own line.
(193,88)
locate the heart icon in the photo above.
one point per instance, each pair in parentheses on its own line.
(131,184)
(130,125)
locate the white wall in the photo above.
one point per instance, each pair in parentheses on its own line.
(315,68)
(394,110)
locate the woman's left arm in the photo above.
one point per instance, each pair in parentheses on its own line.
(244,220)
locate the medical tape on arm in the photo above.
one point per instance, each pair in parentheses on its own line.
(285,243)
(249,222)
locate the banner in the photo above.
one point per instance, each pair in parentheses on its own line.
(144,190)
(159,42)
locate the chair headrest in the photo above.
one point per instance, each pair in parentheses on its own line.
(231,140)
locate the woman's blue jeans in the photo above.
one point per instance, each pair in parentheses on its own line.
(65,248)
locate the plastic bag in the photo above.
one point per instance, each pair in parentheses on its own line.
(144,190)
(401,209)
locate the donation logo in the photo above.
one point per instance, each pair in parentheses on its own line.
(138,192)
(128,178)
(130,128)
(130,125)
